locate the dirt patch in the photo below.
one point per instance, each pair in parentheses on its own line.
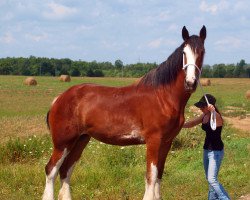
(245,197)
(232,109)
(239,123)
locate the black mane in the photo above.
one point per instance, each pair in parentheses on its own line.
(167,71)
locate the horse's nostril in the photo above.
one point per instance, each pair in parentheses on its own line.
(189,84)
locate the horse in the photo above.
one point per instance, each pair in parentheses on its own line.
(149,112)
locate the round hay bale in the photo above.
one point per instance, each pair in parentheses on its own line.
(30,81)
(248,94)
(205,82)
(65,78)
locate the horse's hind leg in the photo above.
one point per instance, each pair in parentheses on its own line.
(68,165)
(51,170)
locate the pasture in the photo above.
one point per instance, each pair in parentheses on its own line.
(112,172)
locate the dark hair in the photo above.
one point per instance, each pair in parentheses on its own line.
(217,110)
(166,72)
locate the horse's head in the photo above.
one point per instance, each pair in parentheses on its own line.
(193,53)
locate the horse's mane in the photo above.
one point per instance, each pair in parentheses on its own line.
(167,71)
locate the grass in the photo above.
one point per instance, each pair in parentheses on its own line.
(112,172)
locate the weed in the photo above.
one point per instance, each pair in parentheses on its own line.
(25,150)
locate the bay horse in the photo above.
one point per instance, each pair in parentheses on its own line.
(149,112)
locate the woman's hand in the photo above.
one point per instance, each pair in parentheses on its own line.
(210,107)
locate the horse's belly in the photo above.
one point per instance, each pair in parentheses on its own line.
(118,138)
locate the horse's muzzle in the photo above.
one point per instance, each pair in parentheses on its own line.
(190,86)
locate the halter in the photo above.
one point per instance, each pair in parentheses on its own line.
(185,66)
(213,113)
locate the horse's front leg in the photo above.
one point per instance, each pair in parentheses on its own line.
(164,149)
(153,147)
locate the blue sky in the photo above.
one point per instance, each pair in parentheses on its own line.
(129,30)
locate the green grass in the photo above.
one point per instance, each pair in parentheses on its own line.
(105,171)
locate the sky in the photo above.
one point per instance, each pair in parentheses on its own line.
(130,30)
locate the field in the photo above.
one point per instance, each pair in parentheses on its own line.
(111,172)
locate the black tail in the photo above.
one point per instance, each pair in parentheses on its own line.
(47,120)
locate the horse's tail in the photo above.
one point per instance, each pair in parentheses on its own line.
(47,120)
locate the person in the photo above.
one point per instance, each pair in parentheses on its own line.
(213,149)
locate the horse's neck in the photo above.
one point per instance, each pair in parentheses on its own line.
(175,93)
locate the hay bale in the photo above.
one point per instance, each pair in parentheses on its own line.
(205,82)
(248,94)
(30,81)
(65,78)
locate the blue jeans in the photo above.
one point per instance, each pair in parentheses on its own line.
(212,161)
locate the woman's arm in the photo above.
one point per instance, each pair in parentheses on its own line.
(193,122)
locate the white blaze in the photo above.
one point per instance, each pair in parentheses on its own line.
(191,58)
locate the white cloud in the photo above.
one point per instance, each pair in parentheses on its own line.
(163,16)
(241,6)
(36,38)
(7,38)
(83,28)
(173,28)
(228,43)
(8,16)
(206,8)
(151,17)
(111,45)
(58,11)
(157,43)
(214,8)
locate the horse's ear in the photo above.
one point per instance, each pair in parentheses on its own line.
(203,33)
(185,34)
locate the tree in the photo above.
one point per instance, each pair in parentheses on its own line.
(75,71)
(206,71)
(90,73)
(5,70)
(248,71)
(118,64)
(239,70)
(219,71)
(98,73)
(242,63)
(230,71)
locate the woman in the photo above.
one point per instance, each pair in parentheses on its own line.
(213,146)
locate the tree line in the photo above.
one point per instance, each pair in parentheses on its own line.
(37,66)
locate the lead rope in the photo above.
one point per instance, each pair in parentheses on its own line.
(213,113)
